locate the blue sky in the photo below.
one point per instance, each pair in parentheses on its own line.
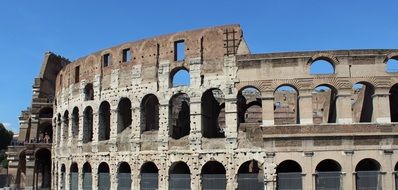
(76,28)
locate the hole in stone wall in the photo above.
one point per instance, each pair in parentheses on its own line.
(124,114)
(180,77)
(179,50)
(126,55)
(213,114)
(179,116)
(249,105)
(362,102)
(88,92)
(87,125)
(286,105)
(392,65)
(149,113)
(321,67)
(324,104)
(104,128)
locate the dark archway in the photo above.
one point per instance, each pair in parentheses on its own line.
(75,123)
(42,175)
(286,105)
(149,176)
(328,175)
(88,92)
(74,177)
(124,176)
(104,124)
(104,182)
(289,175)
(149,113)
(362,106)
(179,116)
(213,114)
(368,175)
(179,176)
(179,77)
(65,127)
(88,125)
(87,177)
(250,176)
(213,176)
(394,103)
(324,104)
(124,114)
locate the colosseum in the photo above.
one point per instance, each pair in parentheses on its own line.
(197,110)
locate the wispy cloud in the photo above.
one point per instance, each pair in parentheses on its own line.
(7,125)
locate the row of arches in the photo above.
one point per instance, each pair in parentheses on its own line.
(250,175)
(249,105)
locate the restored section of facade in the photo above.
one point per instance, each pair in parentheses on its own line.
(244,121)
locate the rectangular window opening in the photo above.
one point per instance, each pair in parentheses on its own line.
(77,74)
(106,59)
(179,50)
(126,55)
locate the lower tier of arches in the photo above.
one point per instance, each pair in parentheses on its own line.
(337,169)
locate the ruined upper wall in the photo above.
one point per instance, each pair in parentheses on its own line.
(296,65)
(207,46)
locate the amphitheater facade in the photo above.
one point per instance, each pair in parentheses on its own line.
(120,120)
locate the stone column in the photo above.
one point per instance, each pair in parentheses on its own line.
(80,132)
(113,130)
(232,178)
(113,176)
(94,143)
(269,172)
(136,127)
(231,121)
(305,106)
(34,125)
(94,177)
(30,171)
(195,135)
(163,172)
(343,106)
(67,177)
(348,175)
(388,174)
(163,135)
(267,101)
(70,126)
(308,178)
(80,178)
(381,106)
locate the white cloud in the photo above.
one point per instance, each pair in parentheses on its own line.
(7,125)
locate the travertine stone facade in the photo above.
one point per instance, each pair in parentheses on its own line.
(117,112)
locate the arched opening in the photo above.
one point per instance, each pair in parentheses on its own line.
(59,128)
(88,92)
(179,77)
(213,176)
(46,112)
(103,176)
(286,105)
(42,175)
(87,177)
(213,114)
(289,175)
(63,170)
(179,116)
(179,176)
(88,125)
(250,176)
(75,123)
(368,175)
(149,176)
(362,102)
(394,103)
(104,124)
(74,177)
(65,121)
(124,176)
(124,114)
(45,132)
(249,105)
(392,65)
(322,66)
(328,174)
(149,113)
(324,104)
